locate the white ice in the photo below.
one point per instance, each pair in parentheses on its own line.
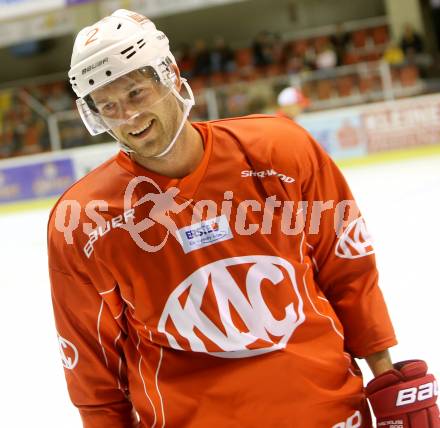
(400,201)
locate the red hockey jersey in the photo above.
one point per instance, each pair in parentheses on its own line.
(234,297)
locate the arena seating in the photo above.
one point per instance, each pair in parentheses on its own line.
(27,132)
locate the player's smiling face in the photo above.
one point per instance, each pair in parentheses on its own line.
(141,112)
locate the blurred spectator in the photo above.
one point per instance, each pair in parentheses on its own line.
(16,118)
(340,41)
(32,135)
(278,50)
(28,128)
(22,130)
(17,141)
(200,110)
(411,42)
(294,64)
(393,54)
(259,95)
(185,60)
(236,101)
(59,98)
(326,57)
(202,59)
(413,48)
(291,102)
(222,57)
(5,142)
(262,49)
(310,59)
(72,134)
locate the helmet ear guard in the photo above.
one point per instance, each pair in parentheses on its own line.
(167,71)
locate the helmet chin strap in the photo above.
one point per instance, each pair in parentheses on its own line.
(122,146)
(187,105)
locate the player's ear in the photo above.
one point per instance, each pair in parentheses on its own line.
(178,80)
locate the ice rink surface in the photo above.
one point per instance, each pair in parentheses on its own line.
(401,204)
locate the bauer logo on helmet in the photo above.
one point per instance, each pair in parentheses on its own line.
(95,65)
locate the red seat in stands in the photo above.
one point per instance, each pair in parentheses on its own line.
(244,57)
(325,89)
(345,86)
(380,35)
(409,75)
(359,38)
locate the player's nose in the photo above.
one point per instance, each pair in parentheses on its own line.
(128,112)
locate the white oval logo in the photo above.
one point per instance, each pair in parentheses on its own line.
(69,353)
(232,308)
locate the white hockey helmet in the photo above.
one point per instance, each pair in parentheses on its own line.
(113,47)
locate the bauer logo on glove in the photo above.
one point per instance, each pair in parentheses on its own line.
(422,393)
(405,397)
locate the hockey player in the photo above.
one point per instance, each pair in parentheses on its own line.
(214,274)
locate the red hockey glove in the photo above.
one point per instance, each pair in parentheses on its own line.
(405,397)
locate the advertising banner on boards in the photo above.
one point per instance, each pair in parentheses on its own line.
(379,127)
(35,181)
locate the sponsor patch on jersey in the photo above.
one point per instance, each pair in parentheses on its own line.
(204,233)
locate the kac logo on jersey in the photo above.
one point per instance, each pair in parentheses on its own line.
(204,233)
(355,241)
(69,353)
(234,308)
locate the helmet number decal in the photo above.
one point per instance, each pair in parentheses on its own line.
(92,34)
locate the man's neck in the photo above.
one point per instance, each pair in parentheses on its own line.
(182,159)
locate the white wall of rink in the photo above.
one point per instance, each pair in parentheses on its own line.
(400,202)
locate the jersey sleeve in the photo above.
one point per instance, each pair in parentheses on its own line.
(343,258)
(90,343)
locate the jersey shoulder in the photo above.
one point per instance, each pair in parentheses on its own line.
(267,127)
(272,141)
(99,183)
(98,194)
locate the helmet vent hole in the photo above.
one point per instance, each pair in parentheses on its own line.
(142,45)
(130,54)
(126,50)
(140,41)
(119,26)
(91,82)
(108,73)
